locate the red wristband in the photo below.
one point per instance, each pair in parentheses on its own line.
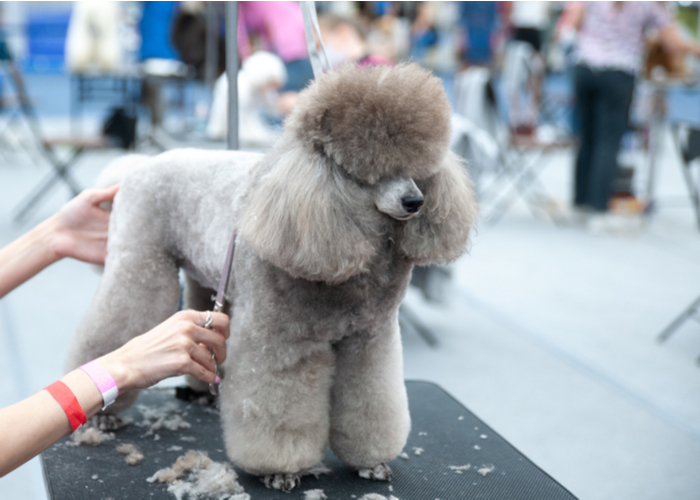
(65,397)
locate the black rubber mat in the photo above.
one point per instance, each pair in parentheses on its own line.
(450,437)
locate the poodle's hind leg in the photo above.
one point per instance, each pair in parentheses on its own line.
(369,415)
(139,289)
(275,406)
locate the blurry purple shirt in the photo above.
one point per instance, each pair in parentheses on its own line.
(279,25)
(612,37)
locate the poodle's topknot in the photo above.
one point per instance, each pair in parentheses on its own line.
(376,122)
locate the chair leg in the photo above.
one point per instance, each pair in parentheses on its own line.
(689,312)
(693,190)
(61,172)
(524,177)
(693,186)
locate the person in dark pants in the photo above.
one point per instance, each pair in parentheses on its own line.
(608,56)
(604,99)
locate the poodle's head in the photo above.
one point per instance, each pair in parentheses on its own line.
(364,160)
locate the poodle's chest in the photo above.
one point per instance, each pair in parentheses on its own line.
(282,305)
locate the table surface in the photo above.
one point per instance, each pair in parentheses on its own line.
(449,435)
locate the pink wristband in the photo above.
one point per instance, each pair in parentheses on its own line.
(103,380)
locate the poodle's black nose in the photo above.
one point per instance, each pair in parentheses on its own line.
(412,203)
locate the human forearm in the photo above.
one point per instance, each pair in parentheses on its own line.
(180,345)
(27,256)
(78,230)
(570,20)
(674,42)
(29,427)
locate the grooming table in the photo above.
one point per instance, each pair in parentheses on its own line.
(449,435)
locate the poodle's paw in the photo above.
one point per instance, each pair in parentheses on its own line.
(106,422)
(381,472)
(283,482)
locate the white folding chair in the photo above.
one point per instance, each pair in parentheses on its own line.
(512,162)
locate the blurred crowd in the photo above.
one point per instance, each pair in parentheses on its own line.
(502,51)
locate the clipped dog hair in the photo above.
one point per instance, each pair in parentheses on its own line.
(376,121)
(329,224)
(369,124)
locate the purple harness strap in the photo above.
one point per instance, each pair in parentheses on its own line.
(219,301)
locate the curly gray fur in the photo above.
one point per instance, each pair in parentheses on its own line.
(314,357)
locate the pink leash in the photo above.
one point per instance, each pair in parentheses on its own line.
(219,301)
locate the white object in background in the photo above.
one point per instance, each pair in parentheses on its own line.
(164,68)
(258,78)
(92,41)
(533,15)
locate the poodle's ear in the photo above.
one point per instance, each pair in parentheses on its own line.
(305,217)
(439,233)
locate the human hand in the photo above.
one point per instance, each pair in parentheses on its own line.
(178,346)
(81,226)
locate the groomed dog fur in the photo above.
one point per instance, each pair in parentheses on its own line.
(329,224)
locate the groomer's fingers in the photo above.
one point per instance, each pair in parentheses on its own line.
(220,321)
(196,370)
(212,339)
(200,354)
(97,196)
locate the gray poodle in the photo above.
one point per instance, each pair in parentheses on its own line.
(330,222)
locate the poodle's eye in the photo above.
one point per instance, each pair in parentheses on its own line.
(363,183)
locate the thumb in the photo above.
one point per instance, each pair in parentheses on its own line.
(102,195)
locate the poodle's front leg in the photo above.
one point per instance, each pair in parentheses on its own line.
(369,417)
(275,405)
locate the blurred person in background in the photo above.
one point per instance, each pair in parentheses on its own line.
(276,27)
(157,54)
(188,34)
(524,62)
(345,38)
(423,33)
(479,23)
(608,56)
(529,21)
(388,31)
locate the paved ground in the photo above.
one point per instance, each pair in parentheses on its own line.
(548,335)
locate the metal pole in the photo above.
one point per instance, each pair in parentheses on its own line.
(212,46)
(232,72)
(655,137)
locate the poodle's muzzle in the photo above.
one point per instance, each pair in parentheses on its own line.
(399,198)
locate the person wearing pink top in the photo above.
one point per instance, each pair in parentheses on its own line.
(345,39)
(608,57)
(279,26)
